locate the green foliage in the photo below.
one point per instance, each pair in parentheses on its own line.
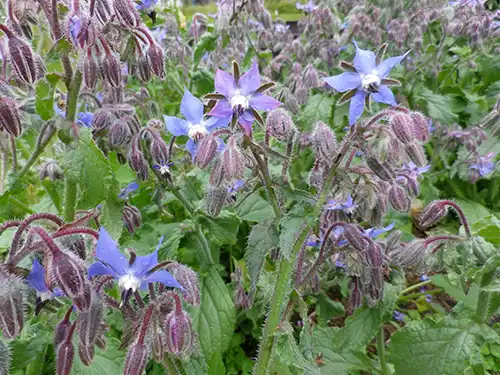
(109,361)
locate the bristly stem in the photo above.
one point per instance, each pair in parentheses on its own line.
(13,152)
(461,214)
(286,268)
(381,351)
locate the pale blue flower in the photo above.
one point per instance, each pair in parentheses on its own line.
(308,7)
(347,207)
(483,164)
(125,192)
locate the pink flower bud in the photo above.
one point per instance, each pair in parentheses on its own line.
(119,133)
(62,328)
(137,357)
(10,120)
(189,281)
(156,60)
(311,77)
(138,163)
(325,143)
(417,154)
(217,174)
(402,126)
(316,179)
(206,151)
(11,304)
(373,255)
(280,125)
(110,69)
(232,160)
(89,71)
(375,287)
(103,11)
(103,118)
(382,170)
(144,68)
(355,237)
(131,217)
(432,214)
(179,332)
(399,199)
(158,346)
(22,60)
(90,322)
(420,126)
(159,151)
(126,14)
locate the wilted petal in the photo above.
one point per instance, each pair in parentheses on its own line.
(344,82)
(107,252)
(36,277)
(357,106)
(99,269)
(364,61)
(176,126)
(165,278)
(384,95)
(224,83)
(250,81)
(191,108)
(221,109)
(262,102)
(385,66)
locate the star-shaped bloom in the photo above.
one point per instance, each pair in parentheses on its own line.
(375,232)
(308,7)
(366,78)
(36,280)
(241,96)
(164,169)
(195,126)
(483,165)
(411,170)
(347,207)
(132,274)
(125,192)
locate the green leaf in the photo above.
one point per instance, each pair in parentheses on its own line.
(291,226)
(476,370)
(472,210)
(27,348)
(223,228)
(439,348)
(455,292)
(207,43)
(215,319)
(487,227)
(254,208)
(216,365)
(44,103)
(318,108)
(60,48)
(111,212)
(288,352)
(87,166)
(438,106)
(261,240)
(328,309)
(109,361)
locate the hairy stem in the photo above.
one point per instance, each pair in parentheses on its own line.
(13,151)
(381,351)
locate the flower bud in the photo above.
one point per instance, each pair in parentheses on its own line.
(216,197)
(126,14)
(103,11)
(189,281)
(399,199)
(302,95)
(416,153)
(22,60)
(90,323)
(11,304)
(119,133)
(375,287)
(325,143)
(136,361)
(80,30)
(420,126)
(159,151)
(206,151)
(144,68)
(411,255)
(311,77)
(138,163)
(432,214)
(292,104)
(90,71)
(316,179)
(4,358)
(356,296)
(158,346)
(156,60)
(355,237)
(382,170)
(10,119)
(402,126)
(232,160)
(110,69)
(131,217)
(86,353)
(103,118)
(51,170)
(179,332)
(65,354)
(280,125)
(373,255)
(62,329)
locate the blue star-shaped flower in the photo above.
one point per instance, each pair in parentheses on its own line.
(125,192)
(347,207)
(483,164)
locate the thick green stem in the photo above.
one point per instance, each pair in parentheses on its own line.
(381,351)
(187,205)
(69,200)
(285,271)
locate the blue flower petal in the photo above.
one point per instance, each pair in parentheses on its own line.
(385,66)
(357,106)
(364,61)
(344,82)
(221,109)
(176,126)
(36,277)
(213,123)
(250,81)
(224,83)
(143,264)
(99,269)
(191,108)
(384,95)
(262,102)
(191,147)
(165,278)
(107,252)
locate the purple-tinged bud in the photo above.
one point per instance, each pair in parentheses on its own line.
(324,142)
(399,199)
(206,151)
(241,298)
(280,125)
(145,72)
(158,346)
(62,328)
(156,60)
(417,154)
(375,287)
(136,361)
(356,296)
(4,358)
(22,59)
(131,217)
(316,179)
(103,118)
(65,354)
(382,170)
(302,95)
(392,240)
(217,173)
(179,332)
(103,11)
(90,322)
(292,104)
(216,197)
(189,281)
(11,304)
(110,70)
(138,163)
(432,214)
(411,255)
(119,133)
(373,255)
(311,77)
(80,30)
(90,69)
(10,119)
(420,126)
(232,160)
(126,14)
(356,237)
(86,353)
(159,151)
(51,170)
(402,126)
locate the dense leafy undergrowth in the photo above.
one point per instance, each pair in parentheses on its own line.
(228,194)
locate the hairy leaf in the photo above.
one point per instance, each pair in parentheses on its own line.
(223,228)
(109,361)
(254,208)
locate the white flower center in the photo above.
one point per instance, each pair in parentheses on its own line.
(197,132)
(370,82)
(164,169)
(129,281)
(239,101)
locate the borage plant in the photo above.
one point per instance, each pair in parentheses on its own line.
(195,198)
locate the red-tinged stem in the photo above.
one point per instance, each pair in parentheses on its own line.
(104,44)
(145,324)
(47,239)
(146,34)
(461,214)
(300,263)
(9,224)
(7,31)
(138,299)
(152,294)
(71,231)
(101,282)
(349,160)
(68,314)
(69,337)
(430,240)
(92,7)
(110,301)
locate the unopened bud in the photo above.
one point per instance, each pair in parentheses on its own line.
(302,95)
(110,69)
(137,357)
(216,197)
(62,329)
(159,151)
(179,332)
(292,104)
(373,255)
(280,125)
(311,77)
(325,143)
(10,119)
(232,160)
(11,304)
(156,60)
(356,296)
(126,13)
(189,281)
(382,170)
(103,118)
(138,163)
(131,217)
(103,11)
(356,237)
(86,353)
(89,71)
(217,173)
(144,68)
(51,170)
(316,179)
(399,199)
(402,126)
(22,60)
(416,153)
(375,287)
(90,323)
(119,133)
(420,126)
(158,346)
(411,255)
(206,151)
(432,214)
(65,354)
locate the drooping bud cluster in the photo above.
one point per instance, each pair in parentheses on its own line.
(131,217)
(11,304)
(10,119)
